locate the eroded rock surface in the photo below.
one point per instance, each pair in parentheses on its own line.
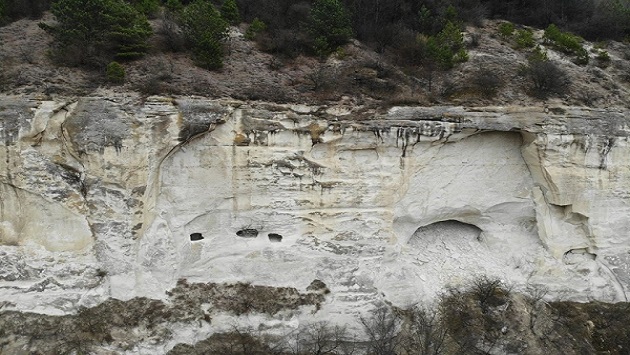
(101,198)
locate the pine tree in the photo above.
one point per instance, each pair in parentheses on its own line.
(89,32)
(330,26)
(146,7)
(447,47)
(205,30)
(230,13)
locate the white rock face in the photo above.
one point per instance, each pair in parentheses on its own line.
(101,198)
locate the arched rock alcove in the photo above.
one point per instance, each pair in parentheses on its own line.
(449,230)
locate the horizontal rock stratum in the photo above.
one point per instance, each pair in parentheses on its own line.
(120,197)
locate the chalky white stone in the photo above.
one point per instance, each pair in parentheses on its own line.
(100,197)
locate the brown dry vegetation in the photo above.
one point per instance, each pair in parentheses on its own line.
(483,318)
(122,324)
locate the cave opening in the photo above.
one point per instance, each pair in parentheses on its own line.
(274,237)
(247,233)
(447,229)
(196,236)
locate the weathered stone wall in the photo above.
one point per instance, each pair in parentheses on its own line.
(100,198)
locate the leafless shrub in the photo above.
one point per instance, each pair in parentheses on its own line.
(406,49)
(537,293)
(588,97)
(321,78)
(448,88)
(160,72)
(170,32)
(425,334)
(286,43)
(382,330)
(489,292)
(474,316)
(322,338)
(474,12)
(239,341)
(547,78)
(461,319)
(487,82)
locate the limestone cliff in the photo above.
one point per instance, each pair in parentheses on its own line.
(120,197)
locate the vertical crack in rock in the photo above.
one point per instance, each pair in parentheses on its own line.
(186,136)
(66,142)
(617,284)
(605,148)
(528,142)
(9,232)
(554,219)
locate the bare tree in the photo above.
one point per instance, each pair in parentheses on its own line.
(382,331)
(548,78)
(322,338)
(424,334)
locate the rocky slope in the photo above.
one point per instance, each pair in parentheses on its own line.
(356,72)
(116,196)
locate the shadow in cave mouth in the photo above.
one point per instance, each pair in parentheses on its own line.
(196,236)
(274,237)
(445,230)
(247,233)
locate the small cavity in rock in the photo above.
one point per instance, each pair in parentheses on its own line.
(275,237)
(196,236)
(247,233)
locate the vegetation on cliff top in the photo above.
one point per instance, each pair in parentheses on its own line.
(405,52)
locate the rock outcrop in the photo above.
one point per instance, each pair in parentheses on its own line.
(120,198)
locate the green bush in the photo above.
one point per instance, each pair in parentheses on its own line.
(229,12)
(174,6)
(90,31)
(447,48)
(581,56)
(538,55)
(603,56)
(506,29)
(206,31)
(567,43)
(254,29)
(329,26)
(115,73)
(562,40)
(525,38)
(147,7)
